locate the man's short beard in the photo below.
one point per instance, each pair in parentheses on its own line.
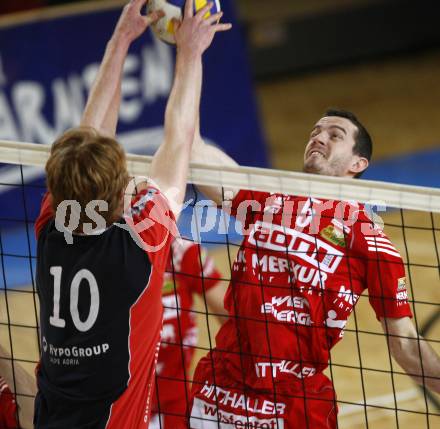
(312,168)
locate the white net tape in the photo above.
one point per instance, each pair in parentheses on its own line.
(389,194)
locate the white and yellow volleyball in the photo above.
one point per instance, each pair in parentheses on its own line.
(164,28)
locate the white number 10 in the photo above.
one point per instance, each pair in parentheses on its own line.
(81,275)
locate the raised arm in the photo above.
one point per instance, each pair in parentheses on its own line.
(169,168)
(102,107)
(412,352)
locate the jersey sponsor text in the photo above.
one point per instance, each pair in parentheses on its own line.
(310,249)
(207,416)
(292,316)
(241,401)
(263,369)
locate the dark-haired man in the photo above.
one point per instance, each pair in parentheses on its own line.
(325,156)
(302,266)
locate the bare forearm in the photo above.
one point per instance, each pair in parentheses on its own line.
(412,352)
(102,107)
(180,118)
(419,360)
(184,102)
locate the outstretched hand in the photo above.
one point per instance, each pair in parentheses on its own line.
(132,23)
(195,33)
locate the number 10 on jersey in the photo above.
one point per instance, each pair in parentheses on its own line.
(56,320)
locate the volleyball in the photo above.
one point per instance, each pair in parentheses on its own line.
(164,28)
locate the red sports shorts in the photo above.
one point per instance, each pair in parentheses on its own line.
(226,404)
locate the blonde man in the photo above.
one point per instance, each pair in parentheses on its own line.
(100,290)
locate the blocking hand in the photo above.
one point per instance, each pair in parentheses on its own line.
(195,33)
(132,23)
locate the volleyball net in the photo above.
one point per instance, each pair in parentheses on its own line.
(372,390)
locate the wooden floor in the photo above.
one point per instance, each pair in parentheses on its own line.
(398,101)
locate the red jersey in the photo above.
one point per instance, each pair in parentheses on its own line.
(300,270)
(190,271)
(101,317)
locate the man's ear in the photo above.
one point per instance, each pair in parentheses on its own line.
(359,165)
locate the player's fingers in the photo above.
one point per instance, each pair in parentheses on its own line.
(202,12)
(189,8)
(222,27)
(176,23)
(153,17)
(213,18)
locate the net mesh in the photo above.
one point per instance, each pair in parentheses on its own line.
(372,389)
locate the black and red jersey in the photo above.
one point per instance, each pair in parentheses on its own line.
(101,317)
